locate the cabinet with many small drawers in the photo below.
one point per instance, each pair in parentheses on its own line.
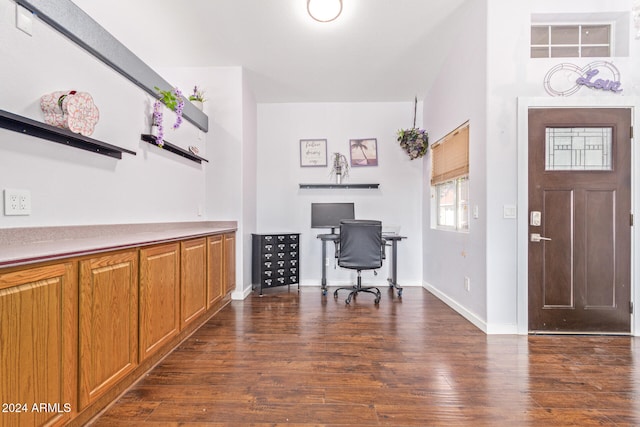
(276,260)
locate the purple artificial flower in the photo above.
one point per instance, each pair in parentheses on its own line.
(179,108)
(157,121)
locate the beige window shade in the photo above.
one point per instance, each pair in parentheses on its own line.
(450,156)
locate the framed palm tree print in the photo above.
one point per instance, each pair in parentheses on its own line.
(364,152)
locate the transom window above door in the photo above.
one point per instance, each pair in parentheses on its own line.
(571,41)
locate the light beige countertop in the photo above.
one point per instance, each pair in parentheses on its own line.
(20,246)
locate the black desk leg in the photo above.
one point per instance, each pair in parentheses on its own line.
(393,280)
(324,267)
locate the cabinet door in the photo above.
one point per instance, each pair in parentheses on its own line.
(193,280)
(108,322)
(38,343)
(215,270)
(229,263)
(159,296)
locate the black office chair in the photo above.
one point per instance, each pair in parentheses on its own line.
(360,248)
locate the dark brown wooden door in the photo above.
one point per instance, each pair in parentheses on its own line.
(580,194)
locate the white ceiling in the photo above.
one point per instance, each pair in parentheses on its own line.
(377,50)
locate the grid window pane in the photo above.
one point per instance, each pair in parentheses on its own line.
(570,41)
(578,149)
(595,51)
(540,52)
(565,52)
(595,34)
(565,34)
(540,35)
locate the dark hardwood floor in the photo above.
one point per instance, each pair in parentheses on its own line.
(298,359)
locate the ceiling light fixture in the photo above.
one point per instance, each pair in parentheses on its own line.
(324,10)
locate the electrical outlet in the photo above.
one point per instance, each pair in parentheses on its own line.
(467,284)
(17,202)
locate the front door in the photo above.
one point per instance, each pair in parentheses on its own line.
(579,220)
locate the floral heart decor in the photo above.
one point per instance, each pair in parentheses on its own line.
(71,110)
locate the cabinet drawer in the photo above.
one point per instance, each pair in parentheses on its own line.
(275,259)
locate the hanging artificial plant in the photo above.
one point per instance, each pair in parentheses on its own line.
(174,100)
(414,141)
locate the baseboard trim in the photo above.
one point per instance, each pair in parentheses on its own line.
(460,309)
(240,295)
(489,329)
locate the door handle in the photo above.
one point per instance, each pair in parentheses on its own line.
(536,237)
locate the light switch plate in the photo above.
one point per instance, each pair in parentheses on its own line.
(510,211)
(24,20)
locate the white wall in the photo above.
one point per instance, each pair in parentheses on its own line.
(72,186)
(249,182)
(458,95)
(512,75)
(502,74)
(283,206)
(230,189)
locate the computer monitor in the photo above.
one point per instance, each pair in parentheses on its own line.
(328,215)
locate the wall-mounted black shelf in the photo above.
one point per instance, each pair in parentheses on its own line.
(70,20)
(31,127)
(173,148)
(341,186)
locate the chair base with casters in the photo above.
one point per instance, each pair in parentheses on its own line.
(359,288)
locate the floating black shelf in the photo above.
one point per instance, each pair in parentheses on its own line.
(31,127)
(173,148)
(341,186)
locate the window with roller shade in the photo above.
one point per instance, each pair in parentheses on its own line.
(450,179)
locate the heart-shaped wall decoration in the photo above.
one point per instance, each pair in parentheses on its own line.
(71,110)
(565,79)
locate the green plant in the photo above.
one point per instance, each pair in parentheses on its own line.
(414,140)
(197,95)
(170,98)
(173,100)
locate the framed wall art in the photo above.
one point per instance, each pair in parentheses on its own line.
(364,152)
(313,152)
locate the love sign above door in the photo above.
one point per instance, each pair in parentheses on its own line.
(566,79)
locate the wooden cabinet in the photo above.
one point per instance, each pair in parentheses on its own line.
(215,270)
(229,263)
(38,344)
(108,309)
(193,280)
(75,333)
(159,296)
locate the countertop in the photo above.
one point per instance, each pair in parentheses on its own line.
(20,246)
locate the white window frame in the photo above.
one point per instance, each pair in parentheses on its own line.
(460,217)
(450,167)
(579,45)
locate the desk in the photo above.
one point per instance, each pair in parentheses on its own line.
(387,237)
